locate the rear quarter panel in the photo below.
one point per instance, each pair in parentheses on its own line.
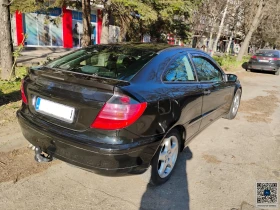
(168,104)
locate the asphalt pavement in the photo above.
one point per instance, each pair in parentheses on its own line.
(33,56)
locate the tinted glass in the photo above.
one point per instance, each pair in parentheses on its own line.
(180,70)
(206,71)
(112,62)
(267,53)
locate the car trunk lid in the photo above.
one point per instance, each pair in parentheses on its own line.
(265,58)
(68,99)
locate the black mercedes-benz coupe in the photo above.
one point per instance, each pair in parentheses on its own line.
(119,109)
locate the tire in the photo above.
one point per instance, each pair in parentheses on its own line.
(277,72)
(234,105)
(165,159)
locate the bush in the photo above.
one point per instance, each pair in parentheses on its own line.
(7,87)
(218,59)
(229,62)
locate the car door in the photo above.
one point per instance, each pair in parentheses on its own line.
(217,94)
(181,81)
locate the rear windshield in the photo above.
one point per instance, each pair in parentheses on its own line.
(105,61)
(271,54)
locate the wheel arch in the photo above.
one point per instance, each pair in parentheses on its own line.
(183,134)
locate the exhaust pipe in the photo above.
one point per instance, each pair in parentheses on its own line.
(40,157)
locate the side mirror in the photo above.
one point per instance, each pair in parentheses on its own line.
(231,78)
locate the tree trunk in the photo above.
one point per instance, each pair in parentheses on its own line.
(6,43)
(210,40)
(87,28)
(105,23)
(253,27)
(220,30)
(229,43)
(105,28)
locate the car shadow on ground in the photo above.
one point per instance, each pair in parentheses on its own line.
(245,65)
(262,72)
(10,97)
(174,194)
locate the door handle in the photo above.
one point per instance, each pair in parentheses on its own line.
(207,92)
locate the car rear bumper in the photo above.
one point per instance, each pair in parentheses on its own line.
(263,67)
(131,158)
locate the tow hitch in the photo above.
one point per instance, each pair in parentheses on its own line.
(42,157)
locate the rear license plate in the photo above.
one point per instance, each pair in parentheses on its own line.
(55,110)
(264,61)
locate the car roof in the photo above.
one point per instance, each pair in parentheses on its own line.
(275,52)
(269,50)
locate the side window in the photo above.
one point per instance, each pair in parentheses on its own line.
(179,70)
(206,71)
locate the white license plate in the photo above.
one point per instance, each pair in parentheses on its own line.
(264,61)
(55,110)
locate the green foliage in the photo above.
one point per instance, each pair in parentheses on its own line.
(157,17)
(229,62)
(24,6)
(10,95)
(173,17)
(16,54)
(7,87)
(27,6)
(128,6)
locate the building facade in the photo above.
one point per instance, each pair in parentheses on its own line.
(60,27)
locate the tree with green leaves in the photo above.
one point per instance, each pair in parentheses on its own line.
(156,17)
(269,30)
(258,7)
(129,15)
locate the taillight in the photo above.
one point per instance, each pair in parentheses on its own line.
(119,112)
(23,96)
(275,59)
(254,57)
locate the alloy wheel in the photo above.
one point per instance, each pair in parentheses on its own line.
(236,103)
(168,156)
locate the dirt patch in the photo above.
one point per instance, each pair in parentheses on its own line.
(272,92)
(8,113)
(260,109)
(243,74)
(18,164)
(211,159)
